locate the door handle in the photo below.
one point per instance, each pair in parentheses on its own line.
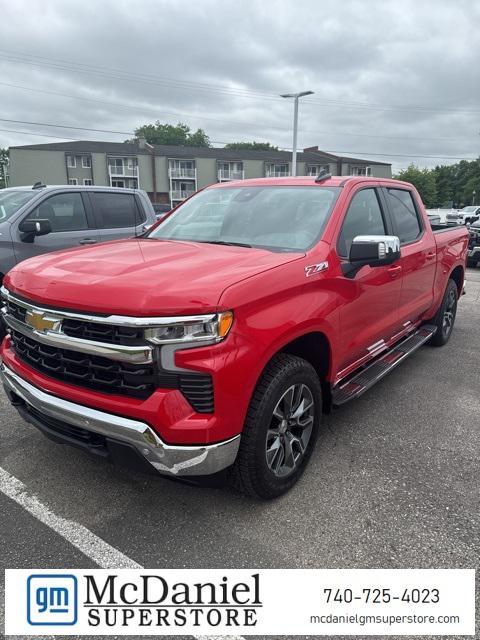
(87,241)
(431,255)
(394,272)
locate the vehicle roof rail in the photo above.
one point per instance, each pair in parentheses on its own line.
(323,175)
(39,185)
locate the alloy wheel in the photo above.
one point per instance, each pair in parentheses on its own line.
(449,313)
(290,430)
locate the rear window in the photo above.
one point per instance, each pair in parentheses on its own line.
(116,210)
(404,214)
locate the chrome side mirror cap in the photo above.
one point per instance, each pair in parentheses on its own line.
(374,251)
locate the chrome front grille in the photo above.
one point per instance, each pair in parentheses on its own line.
(96,353)
(93,372)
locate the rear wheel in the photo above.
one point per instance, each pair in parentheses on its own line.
(280,429)
(445,318)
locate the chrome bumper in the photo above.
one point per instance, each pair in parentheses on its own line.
(168,459)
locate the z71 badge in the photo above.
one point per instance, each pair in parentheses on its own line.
(312,269)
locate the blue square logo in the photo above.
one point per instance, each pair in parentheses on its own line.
(52,599)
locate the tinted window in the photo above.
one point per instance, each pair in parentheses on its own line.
(116,210)
(404,214)
(364,218)
(65,212)
(289,218)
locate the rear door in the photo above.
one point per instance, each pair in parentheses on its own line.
(418,253)
(69,219)
(369,311)
(117,215)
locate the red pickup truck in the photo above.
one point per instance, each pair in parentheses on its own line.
(215,342)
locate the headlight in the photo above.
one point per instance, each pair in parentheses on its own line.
(211,328)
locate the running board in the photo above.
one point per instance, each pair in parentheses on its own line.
(375,371)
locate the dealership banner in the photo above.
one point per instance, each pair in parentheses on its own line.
(240,602)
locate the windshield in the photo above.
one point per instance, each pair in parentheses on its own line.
(468,209)
(12,200)
(277,218)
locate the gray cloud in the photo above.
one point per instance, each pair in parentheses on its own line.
(388,78)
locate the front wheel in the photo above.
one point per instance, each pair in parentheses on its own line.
(280,429)
(445,318)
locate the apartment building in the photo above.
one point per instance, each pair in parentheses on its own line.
(169,173)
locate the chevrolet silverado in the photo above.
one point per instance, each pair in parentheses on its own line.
(214,343)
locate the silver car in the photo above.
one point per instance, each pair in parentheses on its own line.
(39,219)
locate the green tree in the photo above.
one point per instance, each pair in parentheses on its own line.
(178,135)
(251,146)
(423,180)
(3,167)
(445,176)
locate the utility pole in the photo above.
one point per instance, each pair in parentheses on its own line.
(295,96)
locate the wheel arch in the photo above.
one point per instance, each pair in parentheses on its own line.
(458,276)
(315,348)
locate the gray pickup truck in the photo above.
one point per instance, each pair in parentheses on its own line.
(39,219)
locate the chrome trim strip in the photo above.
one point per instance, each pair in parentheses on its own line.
(123,321)
(120,353)
(168,459)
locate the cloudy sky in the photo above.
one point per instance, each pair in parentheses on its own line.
(393,81)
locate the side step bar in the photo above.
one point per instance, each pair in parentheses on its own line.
(372,373)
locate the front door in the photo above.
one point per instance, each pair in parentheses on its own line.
(368,315)
(69,221)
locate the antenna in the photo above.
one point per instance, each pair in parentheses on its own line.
(323,175)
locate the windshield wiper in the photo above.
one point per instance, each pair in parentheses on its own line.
(228,244)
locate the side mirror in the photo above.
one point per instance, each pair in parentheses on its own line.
(32,227)
(374,251)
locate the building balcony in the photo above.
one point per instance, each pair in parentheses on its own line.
(178,172)
(277,174)
(230,174)
(181,194)
(123,172)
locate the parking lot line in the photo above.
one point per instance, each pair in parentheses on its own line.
(99,551)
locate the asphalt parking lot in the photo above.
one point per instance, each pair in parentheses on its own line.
(394,483)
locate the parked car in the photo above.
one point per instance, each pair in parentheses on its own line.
(214,343)
(42,219)
(466,215)
(161,210)
(474,245)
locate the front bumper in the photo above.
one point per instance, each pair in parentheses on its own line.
(75,424)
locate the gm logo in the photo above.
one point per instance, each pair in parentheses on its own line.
(52,599)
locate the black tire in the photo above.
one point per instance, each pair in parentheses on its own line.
(263,436)
(472,263)
(448,309)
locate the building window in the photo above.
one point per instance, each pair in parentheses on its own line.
(126,167)
(87,182)
(230,171)
(71,162)
(73,181)
(360,170)
(86,162)
(275,170)
(314,169)
(182,169)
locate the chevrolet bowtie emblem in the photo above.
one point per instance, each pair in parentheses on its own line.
(41,321)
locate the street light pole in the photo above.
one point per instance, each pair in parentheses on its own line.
(295,96)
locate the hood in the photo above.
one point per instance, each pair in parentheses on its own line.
(139,277)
